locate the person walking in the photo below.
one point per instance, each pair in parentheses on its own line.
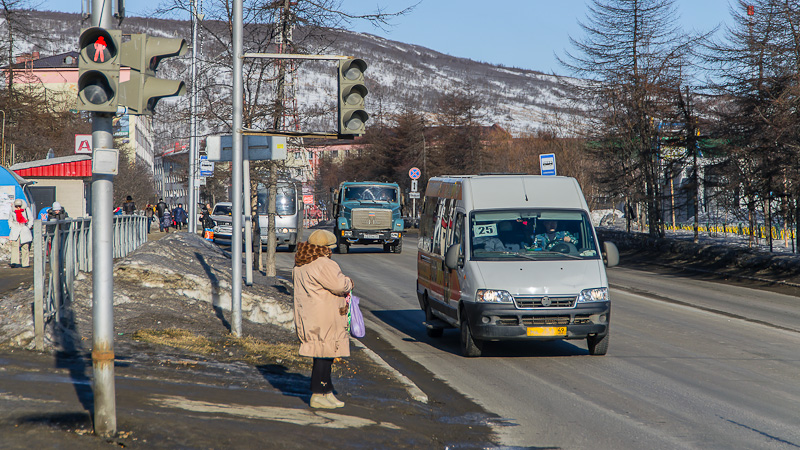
(166,220)
(208,223)
(148,213)
(161,207)
(179,214)
(20,223)
(320,313)
(129,207)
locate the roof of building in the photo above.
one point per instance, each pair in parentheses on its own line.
(62,166)
(60,61)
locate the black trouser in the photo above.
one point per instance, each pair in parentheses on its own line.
(321,376)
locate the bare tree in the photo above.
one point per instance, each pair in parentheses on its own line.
(631,56)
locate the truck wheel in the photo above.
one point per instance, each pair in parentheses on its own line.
(343,247)
(387,248)
(470,347)
(292,248)
(598,345)
(398,247)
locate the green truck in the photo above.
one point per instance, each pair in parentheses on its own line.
(368,212)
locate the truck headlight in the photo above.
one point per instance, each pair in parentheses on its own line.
(594,295)
(493,296)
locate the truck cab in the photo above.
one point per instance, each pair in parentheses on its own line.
(368,212)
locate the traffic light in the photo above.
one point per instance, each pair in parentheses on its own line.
(352,91)
(142,54)
(98,69)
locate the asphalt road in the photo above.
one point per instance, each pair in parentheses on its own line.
(692,363)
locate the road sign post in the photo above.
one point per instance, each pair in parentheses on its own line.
(414,173)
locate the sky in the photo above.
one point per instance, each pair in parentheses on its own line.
(527,34)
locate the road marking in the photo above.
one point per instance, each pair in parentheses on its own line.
(305,417)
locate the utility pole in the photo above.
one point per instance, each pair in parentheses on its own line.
(105,407)
(194,189)
(272,183)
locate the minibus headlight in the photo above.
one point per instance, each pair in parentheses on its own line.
(493,296)
(593,295)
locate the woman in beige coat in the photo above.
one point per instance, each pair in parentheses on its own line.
(320,312)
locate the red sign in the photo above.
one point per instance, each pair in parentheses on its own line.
(308,199)
(83,144)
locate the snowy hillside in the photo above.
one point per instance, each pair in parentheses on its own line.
(399,75)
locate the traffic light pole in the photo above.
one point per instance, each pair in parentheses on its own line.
(105,409)
(237,163)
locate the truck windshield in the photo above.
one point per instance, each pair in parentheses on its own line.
(370,193)
(285,201)
(531,234)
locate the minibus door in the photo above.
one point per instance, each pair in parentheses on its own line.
(452,277)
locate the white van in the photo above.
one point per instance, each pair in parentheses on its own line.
(512,257)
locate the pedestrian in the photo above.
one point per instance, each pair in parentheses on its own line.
(160,208)
(149,210)
(180,216)
(129,207)
(320,313)
(208,223)
(166,221)
(57,212)
(20,223)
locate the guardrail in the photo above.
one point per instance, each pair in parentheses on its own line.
(61,249)
(739,229)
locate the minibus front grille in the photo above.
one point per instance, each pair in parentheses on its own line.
(512,321)
(539,302)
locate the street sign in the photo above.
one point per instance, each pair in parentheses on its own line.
(206,167)
(547,164)
(105,161)
(83,144)
(414,173)
(413,185)
(413,195)
(220,148)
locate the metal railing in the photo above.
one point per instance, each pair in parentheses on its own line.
(62,249)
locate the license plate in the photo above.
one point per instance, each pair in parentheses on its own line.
(372,236)
(547,331)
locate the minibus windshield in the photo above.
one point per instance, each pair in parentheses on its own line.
(531,234)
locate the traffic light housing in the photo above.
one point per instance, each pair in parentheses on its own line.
(352,116)
(98,69)
(142,54)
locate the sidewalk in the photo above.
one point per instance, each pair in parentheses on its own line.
(173,401)
(249,392)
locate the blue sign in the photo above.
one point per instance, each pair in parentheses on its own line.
(414,173)
(547,164)
(206,167)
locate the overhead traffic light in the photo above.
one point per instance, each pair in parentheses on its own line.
(142,54)
(352,116)
(98,69)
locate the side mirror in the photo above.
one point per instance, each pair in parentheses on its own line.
(451,258)
(610,254)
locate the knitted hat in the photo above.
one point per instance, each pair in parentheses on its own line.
(56,206)
(322,238)
(18,202)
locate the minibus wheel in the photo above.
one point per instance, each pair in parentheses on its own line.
(470,347)
(598,345)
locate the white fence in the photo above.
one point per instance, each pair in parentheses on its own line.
(61,249)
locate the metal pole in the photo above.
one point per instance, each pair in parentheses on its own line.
(193,150)
(236,235)
(38,285)
(248,212)
(105,409)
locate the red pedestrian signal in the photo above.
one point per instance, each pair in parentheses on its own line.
(100,49)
